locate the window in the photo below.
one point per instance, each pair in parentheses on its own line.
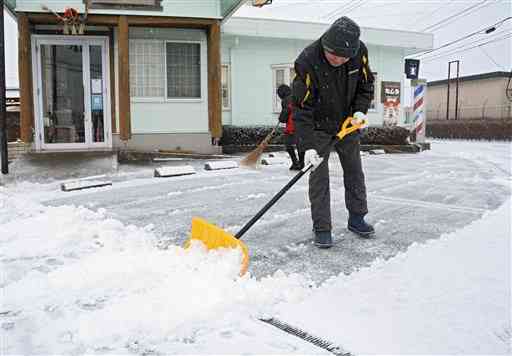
(161,70)
(282,74)
(373,104)
(226,87)
(183,70)
(146,69)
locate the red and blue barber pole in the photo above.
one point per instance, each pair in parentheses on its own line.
(419,110)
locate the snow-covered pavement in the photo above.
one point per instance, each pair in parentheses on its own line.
(412,198)
(101,271)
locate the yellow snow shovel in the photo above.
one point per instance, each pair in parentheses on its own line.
(214,237)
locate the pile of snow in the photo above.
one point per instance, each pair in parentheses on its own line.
(76,281)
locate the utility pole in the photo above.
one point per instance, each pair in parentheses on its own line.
(456,91)
(3,117)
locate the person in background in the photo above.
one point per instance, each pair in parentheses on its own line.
(286,117)
(333,83)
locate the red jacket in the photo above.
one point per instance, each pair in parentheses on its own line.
(286,115)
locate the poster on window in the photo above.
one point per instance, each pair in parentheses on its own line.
(391,103)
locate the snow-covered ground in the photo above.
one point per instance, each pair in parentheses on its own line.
(102,271)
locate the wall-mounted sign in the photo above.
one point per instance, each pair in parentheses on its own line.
(96,86)
(153,5)
(390,90)
(412,68)
(390,97)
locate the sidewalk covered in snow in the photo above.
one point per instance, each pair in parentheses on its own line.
(102,271)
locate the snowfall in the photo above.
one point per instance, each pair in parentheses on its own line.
(103,270)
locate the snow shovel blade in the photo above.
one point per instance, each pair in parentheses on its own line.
(214,237)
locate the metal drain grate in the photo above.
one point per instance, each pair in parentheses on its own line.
(324,344)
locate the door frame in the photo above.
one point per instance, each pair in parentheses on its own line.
(85,41)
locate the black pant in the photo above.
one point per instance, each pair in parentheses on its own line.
(291,142)
(353,178)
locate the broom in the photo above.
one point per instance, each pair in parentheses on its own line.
(252,159)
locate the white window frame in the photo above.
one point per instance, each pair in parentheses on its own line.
(149,99)
(276,102)
(228,83)
(201,81)
(376,93)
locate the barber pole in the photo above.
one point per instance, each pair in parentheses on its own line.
(419,109)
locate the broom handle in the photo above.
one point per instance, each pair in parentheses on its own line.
(279,194)
(272,132)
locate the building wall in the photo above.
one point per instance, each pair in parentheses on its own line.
(251,60)
(484,98)
(177,8)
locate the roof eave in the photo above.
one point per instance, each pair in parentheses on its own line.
(232,10)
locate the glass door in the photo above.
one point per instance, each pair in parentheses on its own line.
(72,96)
(63,107)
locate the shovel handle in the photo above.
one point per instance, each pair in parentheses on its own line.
(274,200)
(345,130)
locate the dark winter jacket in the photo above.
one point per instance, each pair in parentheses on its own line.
(324,96)
(286,115)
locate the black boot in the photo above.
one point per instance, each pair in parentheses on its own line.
(357,224)
(295,162)
(323,239)
(301,159)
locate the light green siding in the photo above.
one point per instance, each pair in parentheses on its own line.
(251,60)
(179,8)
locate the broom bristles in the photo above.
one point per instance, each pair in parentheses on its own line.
(252,159)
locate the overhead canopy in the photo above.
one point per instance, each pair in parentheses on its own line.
(229,7)
(11,6)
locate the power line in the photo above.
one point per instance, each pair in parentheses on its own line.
(335,11)
(490,28)
(465,45)
(360,4)
(464,48)
(421,18)
(467,49)
(490,58)
(344,9)
(446,21)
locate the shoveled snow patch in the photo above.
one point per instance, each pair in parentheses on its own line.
(77,281)
(84,184)
(448,296)
(216,165)
(267,161)
(174,171)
